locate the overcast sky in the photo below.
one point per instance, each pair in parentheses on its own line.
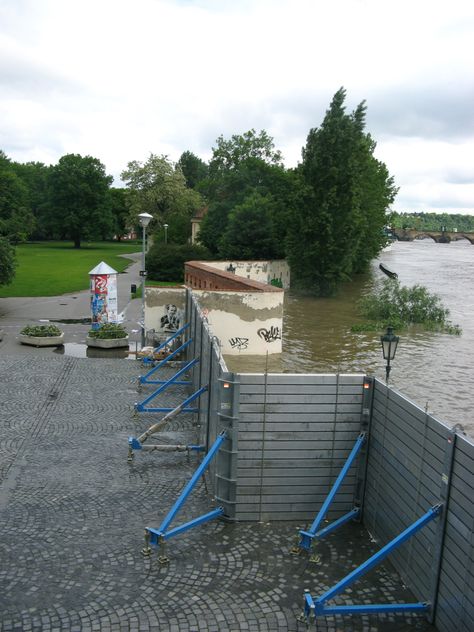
(120,79)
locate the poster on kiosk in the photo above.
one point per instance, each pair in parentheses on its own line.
(103,284)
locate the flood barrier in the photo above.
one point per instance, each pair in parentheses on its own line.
(291,437)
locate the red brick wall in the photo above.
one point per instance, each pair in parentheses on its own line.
(201,276)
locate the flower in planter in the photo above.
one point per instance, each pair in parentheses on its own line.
(41,331)
(108,331)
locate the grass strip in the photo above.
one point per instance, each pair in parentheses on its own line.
(54,268)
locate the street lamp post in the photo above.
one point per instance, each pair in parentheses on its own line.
(389,349)
(165,226)
(144,219)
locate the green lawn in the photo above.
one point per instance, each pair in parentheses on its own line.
(53,268)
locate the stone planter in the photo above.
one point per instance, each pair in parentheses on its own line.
(41,341)
(107,343)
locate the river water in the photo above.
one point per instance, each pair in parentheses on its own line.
(436,371)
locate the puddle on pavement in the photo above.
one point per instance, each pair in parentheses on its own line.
(71,321)
(83,351)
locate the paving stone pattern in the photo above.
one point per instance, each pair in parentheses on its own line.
(73,512)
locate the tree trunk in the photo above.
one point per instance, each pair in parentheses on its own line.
(77,242)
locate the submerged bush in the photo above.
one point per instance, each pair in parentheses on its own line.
(400,306)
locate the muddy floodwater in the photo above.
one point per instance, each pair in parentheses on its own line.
(436,371)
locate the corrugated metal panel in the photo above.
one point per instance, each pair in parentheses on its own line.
(295,433)
(405,474)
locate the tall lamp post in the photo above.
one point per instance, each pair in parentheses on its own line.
(389,348)
(166,232)
(144,219)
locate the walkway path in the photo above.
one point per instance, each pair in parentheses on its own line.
(73,512)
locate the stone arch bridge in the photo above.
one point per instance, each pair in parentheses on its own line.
(440,236)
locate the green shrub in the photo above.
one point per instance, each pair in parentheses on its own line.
(398,306)
(108,331)
(165,262)
(41,331)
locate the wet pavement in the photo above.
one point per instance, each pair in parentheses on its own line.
(73,512)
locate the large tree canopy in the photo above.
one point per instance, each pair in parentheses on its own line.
(78,189)
(35,176)
(245,169)
(158,187)
(338,227)
(230,153)
(194,169)
(16,220)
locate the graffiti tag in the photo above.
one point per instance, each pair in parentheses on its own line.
(269,335)
(239,343)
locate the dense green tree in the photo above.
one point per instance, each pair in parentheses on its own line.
(338,226)
(78,198)
(117,203)
(16,219)
(166,263)
(250,223)
(230,153)
(7,262)
(158,187)
(193,168)
(241,167)
(35,176)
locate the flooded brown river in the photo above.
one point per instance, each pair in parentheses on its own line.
(434,370)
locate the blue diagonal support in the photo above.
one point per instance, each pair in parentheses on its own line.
(165,343)
(182,408)
(136,443)
(170,382)
(318,606)
(313,533)
(157,536)
(144,379)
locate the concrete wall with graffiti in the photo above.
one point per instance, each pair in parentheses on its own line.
(275,272)
(164,310)
(245,322)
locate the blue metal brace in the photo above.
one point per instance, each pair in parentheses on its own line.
(182,408)
(157,537)
(318,607)
(313,533)
(165,343)
(172,381)
(144,379)
(136,443)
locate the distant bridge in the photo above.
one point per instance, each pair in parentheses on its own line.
(439,236)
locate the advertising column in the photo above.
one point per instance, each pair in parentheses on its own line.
(103,286)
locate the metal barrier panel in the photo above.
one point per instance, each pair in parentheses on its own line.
(403,479)
(295,433)
(455,599)
(414,462)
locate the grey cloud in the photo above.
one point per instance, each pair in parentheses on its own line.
(434,112)
(24,76)
(466,177)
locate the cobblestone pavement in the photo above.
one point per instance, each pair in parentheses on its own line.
(73,512)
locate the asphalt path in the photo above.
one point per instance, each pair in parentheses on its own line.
(16,312)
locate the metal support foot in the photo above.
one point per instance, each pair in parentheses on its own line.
(146,551)
(163,559)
